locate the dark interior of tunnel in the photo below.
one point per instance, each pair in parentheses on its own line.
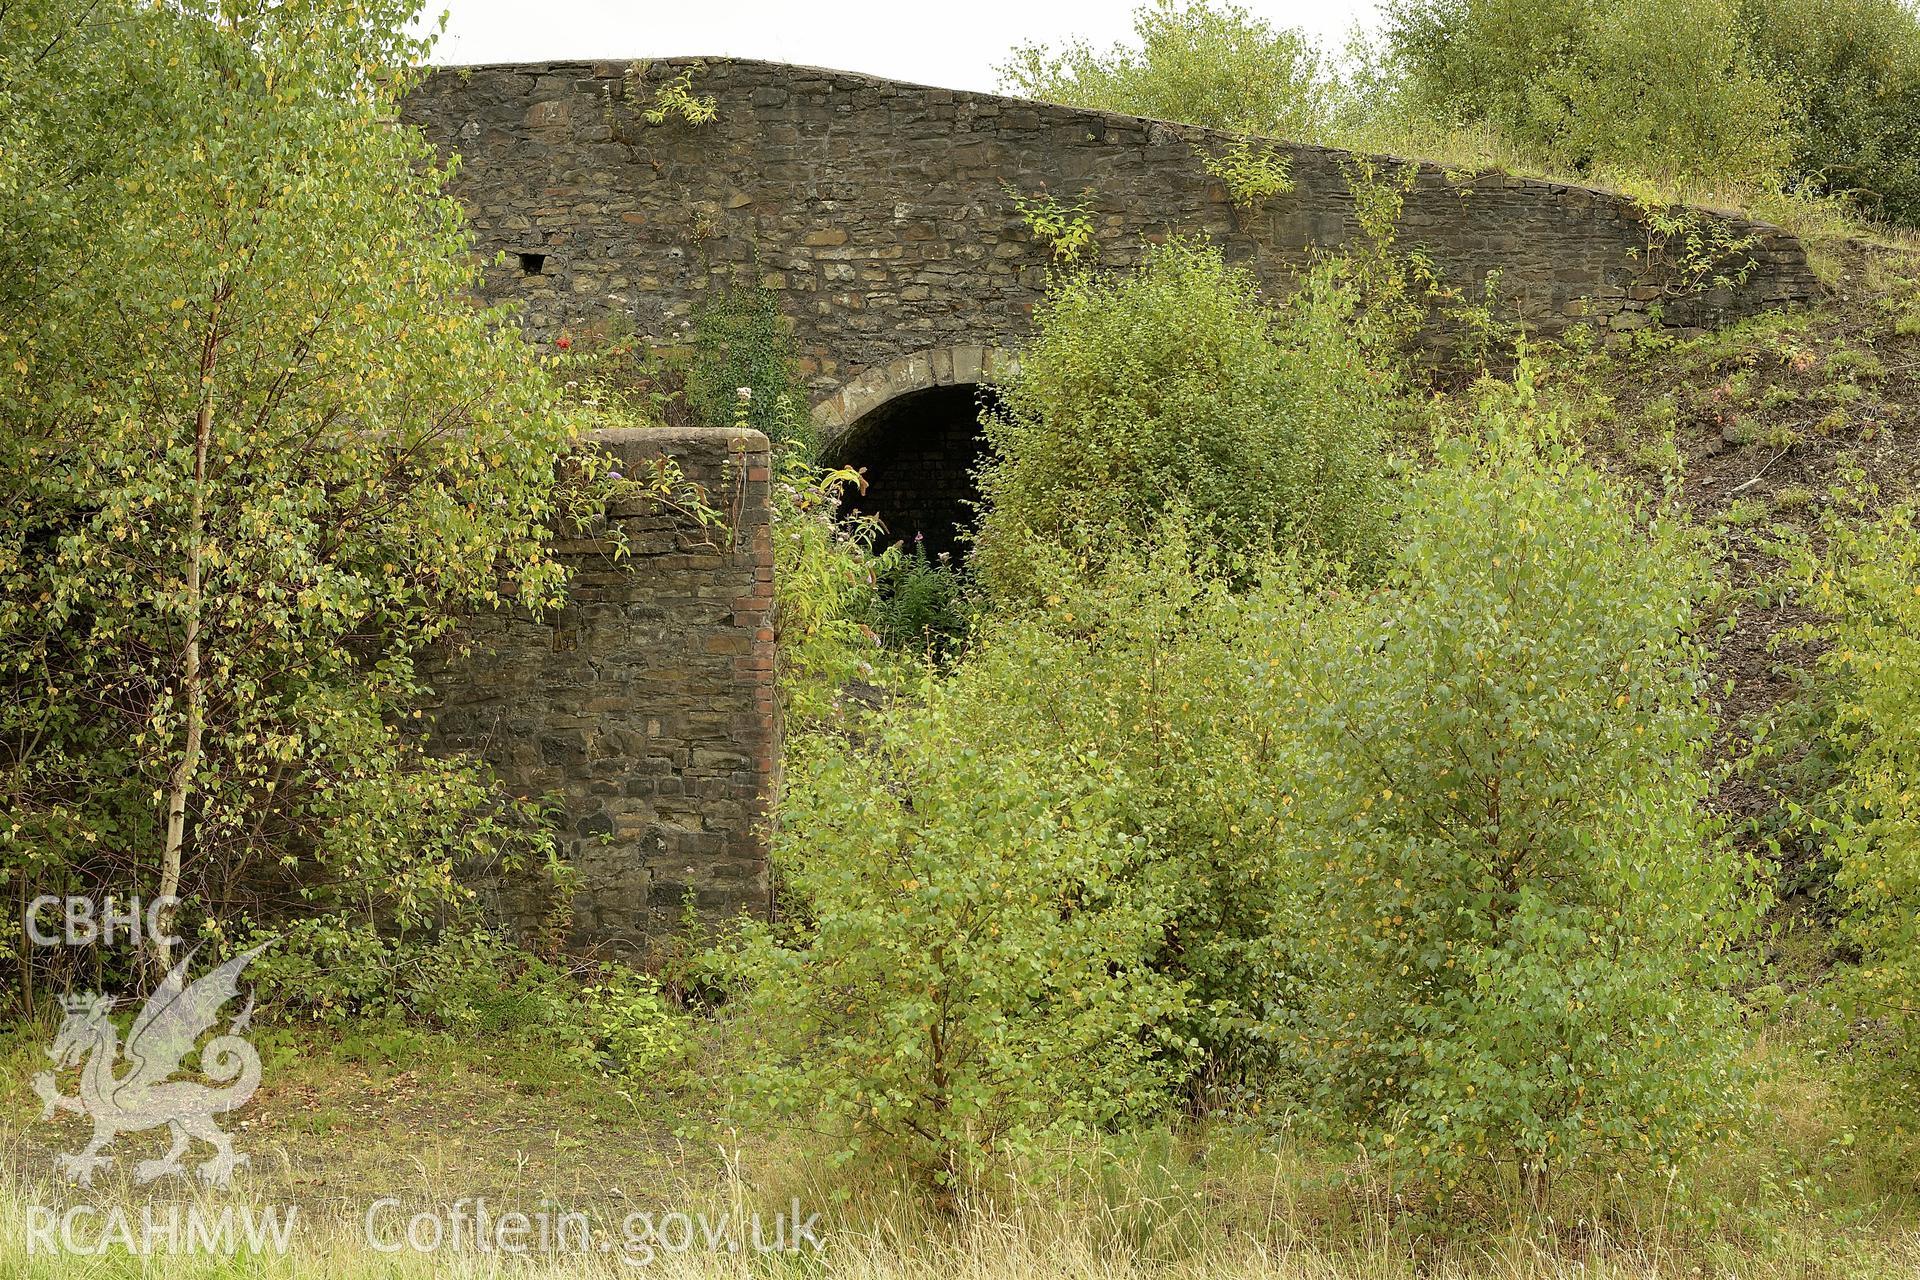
(918,452)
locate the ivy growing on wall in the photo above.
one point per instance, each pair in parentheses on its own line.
(744,364)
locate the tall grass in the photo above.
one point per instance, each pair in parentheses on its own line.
(1032,1239)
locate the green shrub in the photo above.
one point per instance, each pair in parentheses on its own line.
(1207,64)
(1064,227)
(1427,863)
(1179,385)
(919,603)
(1661,88)
(1128,684)
(260,453)
(1866,587)
(471,985)
(1139,669)
(615,379)
(1251,174)
(624,1026)
(825,572)
(1524,906)
(972,975)
(1145,663)
(1850,70)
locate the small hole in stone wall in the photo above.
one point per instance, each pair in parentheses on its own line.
(532,264)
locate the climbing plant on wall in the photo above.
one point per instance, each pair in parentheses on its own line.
(743,343)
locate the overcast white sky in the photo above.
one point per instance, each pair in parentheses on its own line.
(950,43)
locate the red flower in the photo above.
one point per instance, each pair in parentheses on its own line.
(563,342)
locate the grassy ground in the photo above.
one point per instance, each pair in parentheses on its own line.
(341,1113)
(343,1121)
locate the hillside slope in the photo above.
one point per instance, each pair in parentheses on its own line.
(1761,428)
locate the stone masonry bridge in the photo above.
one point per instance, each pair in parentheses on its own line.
(882,215)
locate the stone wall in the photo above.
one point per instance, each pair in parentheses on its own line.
(880,212)
(646,705)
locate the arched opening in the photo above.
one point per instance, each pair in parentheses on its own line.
(918,452)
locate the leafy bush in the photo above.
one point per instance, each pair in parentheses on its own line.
(1178,384)
(1427,863)
(1866,588)
(1661,88)
(616,379)
(1525,909)
(248,475)
(1251,174)
(676,100)
(469,984)
(919,603)
(1850,70)
(1064,227)
(1208,64)
(972,972)
(825,572)
(1784,100)
(1145,665)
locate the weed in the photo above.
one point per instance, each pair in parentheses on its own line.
(1855,364)
(1743,513)
(1065,228)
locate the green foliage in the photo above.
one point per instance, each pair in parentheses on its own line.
(1402,292)
(825,572)
(1865,586)
(260,453)
(1179,384)
(1525,911)
(1660,88)
(1144,662)
(1689,251)
(1252,173)
(619,380)
(1425,862)
(744,367)
(469,984)
(1066,229)
(1196,61)
(919,603)
(1851,71)
(971,977)
(1784,101)
(676,100)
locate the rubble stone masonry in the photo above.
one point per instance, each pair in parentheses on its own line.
(883,214)
(645,706)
